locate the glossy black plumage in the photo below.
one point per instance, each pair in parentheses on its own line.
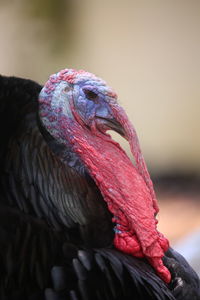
(55,229)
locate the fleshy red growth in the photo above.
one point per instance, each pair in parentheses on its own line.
(127,195)
(122,118)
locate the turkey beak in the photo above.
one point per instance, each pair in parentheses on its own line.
(130,134)
(114,125)
(111,123)
(105,118)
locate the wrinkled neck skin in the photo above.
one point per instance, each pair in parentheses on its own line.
(125,191)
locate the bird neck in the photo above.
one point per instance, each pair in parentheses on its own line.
(125,191)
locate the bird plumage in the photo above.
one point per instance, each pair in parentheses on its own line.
(56,232)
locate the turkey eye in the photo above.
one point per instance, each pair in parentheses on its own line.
(90,95)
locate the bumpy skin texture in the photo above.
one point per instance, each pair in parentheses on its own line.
(71,118)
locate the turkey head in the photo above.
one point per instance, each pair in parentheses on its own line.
(77,108)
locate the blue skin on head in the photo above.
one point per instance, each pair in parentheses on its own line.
(91,102)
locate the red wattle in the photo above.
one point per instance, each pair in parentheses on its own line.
(127,195)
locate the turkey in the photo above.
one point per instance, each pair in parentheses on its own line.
(77,217)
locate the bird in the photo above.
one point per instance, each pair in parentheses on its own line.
(77,216)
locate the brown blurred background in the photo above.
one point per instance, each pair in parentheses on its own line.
(149,52)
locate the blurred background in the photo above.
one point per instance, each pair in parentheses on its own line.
(148,51)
